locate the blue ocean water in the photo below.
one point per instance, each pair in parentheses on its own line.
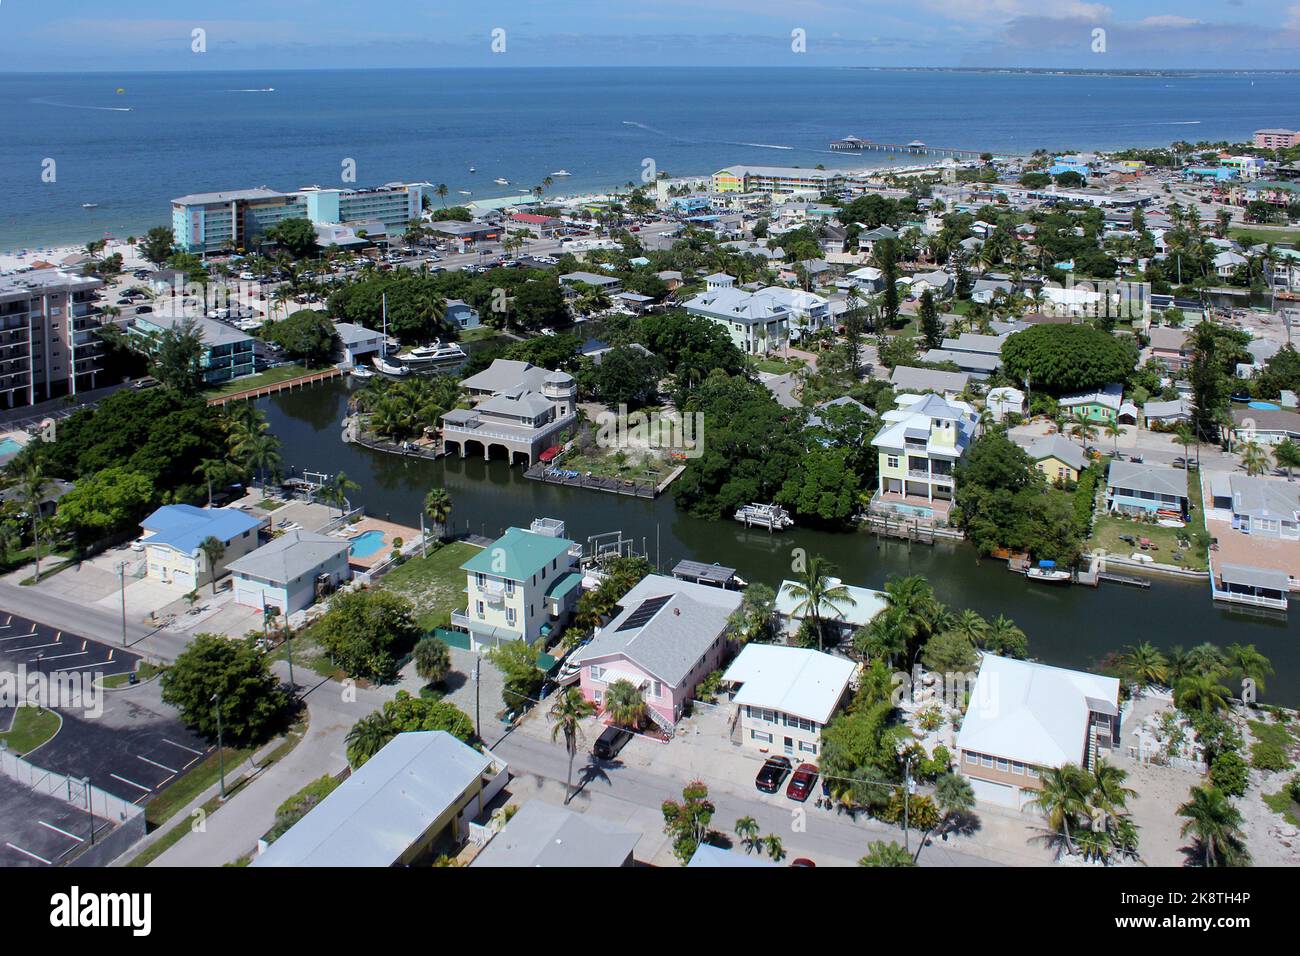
(167,134)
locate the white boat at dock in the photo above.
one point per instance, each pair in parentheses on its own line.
(360,371)
(388,368)
(1048,573)
(770,516)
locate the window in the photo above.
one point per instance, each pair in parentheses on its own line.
(597,672)
(480,608)
(986,760)
(479,579)
(510,615)
(807,748)
(972,758)
(657,688)
(596,695)
(1003,764)
(761,736)
(1031,771)
(1017,768)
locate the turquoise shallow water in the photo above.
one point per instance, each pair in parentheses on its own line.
(168,134)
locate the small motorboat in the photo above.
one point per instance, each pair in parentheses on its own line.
(770,516)
(360,371)
(90,205)
(473,170)
(501,182)
(464,192)
(561,172)
(1048,573)
(388,368)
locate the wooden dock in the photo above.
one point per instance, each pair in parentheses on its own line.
(1129,579)
(252,394)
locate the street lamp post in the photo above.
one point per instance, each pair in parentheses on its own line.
(221,749)
(121,575)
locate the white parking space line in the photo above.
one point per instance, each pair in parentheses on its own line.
(155,763)
(29,853)
(37,647)
(59,657)
(132,783)
(70,836)
(182,746)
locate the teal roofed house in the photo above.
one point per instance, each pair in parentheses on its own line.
(524,585)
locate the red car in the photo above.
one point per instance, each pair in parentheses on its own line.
(801,782)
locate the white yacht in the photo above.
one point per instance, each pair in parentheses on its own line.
(439,355)
(561,172)
(360,371)
(464,192)
(501,181)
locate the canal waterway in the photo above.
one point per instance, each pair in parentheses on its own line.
(1070,626)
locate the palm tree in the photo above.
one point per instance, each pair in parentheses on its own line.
(1215,824)
(212,469)
(566,716)
(747,833)
(437,505)
(1287,454)
(1113,431)
(623,704)
(1146,665)
(1246,662)
(32,489)
(913,609)
(774,847)
(816,591)
(1063,799)
(1003,636)
(880,853)
(367,737)
(1254,459)
(261,453)
(432,660)
(1109,795)
(971,626)
(213,548)
(441,191)
(1201,692)
(1083,426)
(336,491)
(1186,436)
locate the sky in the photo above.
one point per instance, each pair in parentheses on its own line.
(91,35)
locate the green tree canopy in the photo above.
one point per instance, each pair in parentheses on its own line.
(1067,358)
(237,674)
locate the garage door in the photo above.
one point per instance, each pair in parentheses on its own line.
(1001,794)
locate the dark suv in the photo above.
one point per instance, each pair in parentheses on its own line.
(610,742)
(771,775)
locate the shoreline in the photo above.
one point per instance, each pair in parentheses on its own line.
(22,256)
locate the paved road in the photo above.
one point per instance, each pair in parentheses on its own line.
(828,838)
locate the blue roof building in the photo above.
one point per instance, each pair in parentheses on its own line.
(174,535)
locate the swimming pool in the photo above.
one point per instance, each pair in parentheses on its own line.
(366,543)
(9,447)
(1265,406)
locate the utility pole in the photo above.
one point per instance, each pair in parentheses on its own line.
(221,749)
(90,813)
(478,670)
(907,804)
(121,574)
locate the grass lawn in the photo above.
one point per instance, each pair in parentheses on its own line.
(484,333)
(270,504)
(778,366)
(31,727)
(1275,236)
(144,672)
(1282,803)
(281,373)
(435,585)
(1107,529)
(642,467)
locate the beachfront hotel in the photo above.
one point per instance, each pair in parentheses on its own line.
(778,179)
(49,344)
(224,221)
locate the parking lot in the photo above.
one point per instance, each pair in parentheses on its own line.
(37,829)
(131,744)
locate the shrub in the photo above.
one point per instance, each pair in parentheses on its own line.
(1268,756)
(1229,773)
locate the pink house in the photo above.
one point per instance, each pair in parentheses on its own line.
(666,636)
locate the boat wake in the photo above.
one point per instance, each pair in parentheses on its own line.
(75,106)
(269,89)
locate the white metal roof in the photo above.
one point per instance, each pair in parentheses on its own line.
(793,680)
(1032,713)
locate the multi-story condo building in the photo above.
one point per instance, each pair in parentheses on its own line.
(521,586)
(919,446)
(1276,138)
(227,352)
(778,179)
(49,341)
(222,221)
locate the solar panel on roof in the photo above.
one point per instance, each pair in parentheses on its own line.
(641,616)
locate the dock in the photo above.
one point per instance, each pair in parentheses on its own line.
(572,479)
(252,394)
(852,144)
(1128,579)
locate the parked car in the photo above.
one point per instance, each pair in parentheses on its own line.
(772,774)
(610,742)
(802,861)
(801,783)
